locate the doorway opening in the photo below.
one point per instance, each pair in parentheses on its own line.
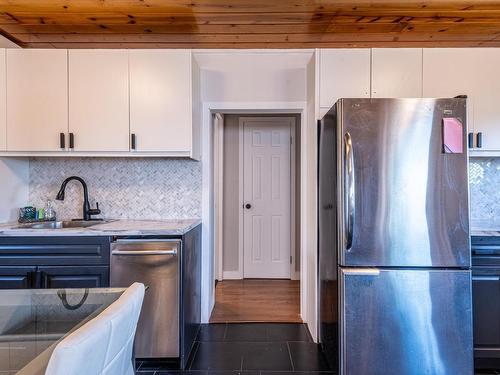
(257,217)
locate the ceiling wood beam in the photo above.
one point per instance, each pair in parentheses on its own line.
(259,23)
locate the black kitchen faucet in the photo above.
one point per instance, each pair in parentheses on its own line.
(87,211)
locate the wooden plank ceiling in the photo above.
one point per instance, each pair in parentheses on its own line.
(250,23)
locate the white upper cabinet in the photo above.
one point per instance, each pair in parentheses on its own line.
(343,73)
(473,72)
(3,102)
(396,73)
(37,99)
(99,100)
(160,100)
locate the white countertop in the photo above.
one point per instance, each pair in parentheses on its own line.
(485,228)
(113,228)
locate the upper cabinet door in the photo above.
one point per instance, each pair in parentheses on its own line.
(37,99)
(3,102)
(160,100)
(472,72)
(449,72)
(397,73)
(99,100)
(344,73)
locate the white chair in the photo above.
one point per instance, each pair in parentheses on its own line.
(104,345)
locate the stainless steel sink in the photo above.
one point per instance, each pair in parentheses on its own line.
(62,224)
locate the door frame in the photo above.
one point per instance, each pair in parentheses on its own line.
(241,246)
(307,200)
(218,172)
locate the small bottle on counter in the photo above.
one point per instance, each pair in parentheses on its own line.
(49,213)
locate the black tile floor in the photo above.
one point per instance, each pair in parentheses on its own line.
(249,349)
(253,349)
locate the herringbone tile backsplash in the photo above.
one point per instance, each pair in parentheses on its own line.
(126,188)
(484,183)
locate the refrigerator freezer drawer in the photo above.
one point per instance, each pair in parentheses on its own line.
(412,322)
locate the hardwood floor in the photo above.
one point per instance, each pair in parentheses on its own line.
(257,300)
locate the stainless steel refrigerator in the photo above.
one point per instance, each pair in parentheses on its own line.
(393,227)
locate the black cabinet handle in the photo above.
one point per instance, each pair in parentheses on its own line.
(71,140)
(132,141)
(471,140)
(62,140)
(30,279)
(37,279)
(479,140)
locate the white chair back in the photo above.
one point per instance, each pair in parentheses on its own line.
(104,345)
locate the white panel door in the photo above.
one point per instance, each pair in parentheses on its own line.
(3,102)
(396,73)
(266,197)
(344,73)
(99,100)
(37,99)
(160,99)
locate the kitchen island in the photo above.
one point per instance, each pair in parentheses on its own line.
(118,253)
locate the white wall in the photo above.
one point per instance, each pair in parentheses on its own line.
(14,182)
(310,263)
(250,76)
(6,43)
(231,197)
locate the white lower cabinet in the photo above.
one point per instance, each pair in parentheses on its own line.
(449,72)
(160,101)
(99,100)
(37,99)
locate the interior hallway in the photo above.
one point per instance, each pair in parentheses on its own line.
(257,300)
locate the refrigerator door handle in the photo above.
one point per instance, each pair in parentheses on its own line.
(349,191)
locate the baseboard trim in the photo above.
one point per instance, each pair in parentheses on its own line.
(232,275)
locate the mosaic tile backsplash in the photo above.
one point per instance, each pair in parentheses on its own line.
(126,188)
(484,179)
(155,188)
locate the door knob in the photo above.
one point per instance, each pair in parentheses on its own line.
(248,206)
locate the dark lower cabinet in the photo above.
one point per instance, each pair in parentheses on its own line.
(486,301)
(17,277)
(74,277)
(486,307)
(54,262)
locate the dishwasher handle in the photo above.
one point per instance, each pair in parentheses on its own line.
(144,240)
(145,252)
(148,246)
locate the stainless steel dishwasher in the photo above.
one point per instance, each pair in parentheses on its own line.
(155,263)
